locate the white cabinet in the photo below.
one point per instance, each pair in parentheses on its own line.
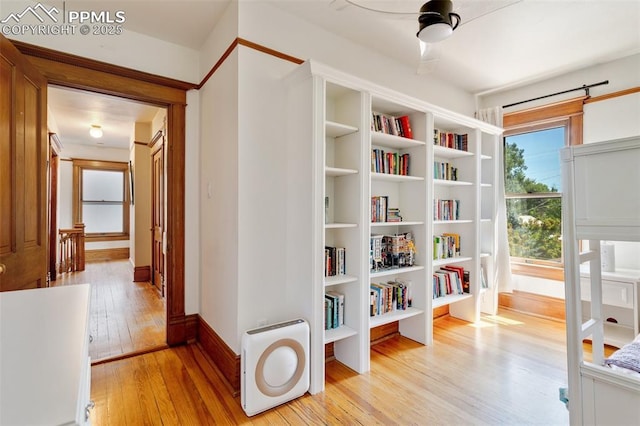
(343,164)
(45,370)
(620,301)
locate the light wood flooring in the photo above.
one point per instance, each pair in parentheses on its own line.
(504,371)
(126,316)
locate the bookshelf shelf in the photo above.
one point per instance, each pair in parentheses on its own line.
(336,130)
(395,178)
(340,225)
(452,222)
(337,171)
(334,180)
(451,260)
(448,300)
(378,320)
(393,141)
(336,334)
(445,182)
(395,271)
(339,279)
(402,223)
(444,152)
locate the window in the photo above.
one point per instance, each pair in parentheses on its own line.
(101,199)
(533,195)
(533,185)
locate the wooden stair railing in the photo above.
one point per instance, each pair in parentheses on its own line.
(71,248)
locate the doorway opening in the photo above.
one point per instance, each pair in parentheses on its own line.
(113,185)
(76,72)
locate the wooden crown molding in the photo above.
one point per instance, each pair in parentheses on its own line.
(260,48)
(67,58)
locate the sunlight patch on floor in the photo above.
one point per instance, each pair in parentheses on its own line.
(494,320)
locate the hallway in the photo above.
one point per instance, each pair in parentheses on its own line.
(126,317)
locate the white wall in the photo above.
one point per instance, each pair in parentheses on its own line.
(613,118)
(609,119)
(128,49)
(140,210)
(262,291)
(192,205)
(268,25)
(218,162)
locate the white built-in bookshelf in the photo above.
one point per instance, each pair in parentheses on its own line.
(351,179)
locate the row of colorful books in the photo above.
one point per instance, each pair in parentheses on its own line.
(451,140)
(446,171)
(334,261)
(392,163)
(388,297)
(398,126)
(333,310)
(446,209)
(381,212)
(450,280)
(446,246)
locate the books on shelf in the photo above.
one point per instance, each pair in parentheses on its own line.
(334,261)
(389,297)
(446,246)
(445,171)
(392,163)
(391,251)
(450,140)
(393,214)
(334,310)
(381,212)
(375,252)
(450,280)
(398,126)
(446,209)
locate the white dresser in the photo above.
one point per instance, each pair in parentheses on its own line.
(620,304)
(45,369)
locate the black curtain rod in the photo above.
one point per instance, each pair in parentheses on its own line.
(584,87)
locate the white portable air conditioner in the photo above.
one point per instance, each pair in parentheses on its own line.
(275,365)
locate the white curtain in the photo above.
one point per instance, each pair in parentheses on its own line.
(503,265)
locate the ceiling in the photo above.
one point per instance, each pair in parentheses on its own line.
(500,43)
(75,111)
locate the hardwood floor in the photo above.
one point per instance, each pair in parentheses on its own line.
(126,316)
(505,370)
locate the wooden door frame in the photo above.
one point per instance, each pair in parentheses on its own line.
(54,152)
(157,145)
(72,71)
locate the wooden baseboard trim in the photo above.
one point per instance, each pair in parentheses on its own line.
(101,255)
(191,323)
(221,355)
(533,304)
(141,273)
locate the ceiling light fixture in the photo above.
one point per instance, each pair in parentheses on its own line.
(436,21)
(95,131)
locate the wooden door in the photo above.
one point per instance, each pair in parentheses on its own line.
(23,172)
(54,152)
(157,220)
